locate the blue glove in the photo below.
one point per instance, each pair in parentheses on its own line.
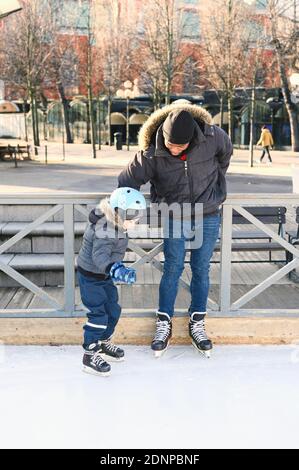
(120,273)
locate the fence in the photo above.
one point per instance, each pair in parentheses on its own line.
(71,202)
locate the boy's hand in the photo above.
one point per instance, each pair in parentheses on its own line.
(120,273)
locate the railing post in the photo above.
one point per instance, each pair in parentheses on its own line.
(69,259)
(225,259)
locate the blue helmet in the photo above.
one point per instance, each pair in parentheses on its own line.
(127,198)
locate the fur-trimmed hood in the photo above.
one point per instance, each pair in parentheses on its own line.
(111,216)
(150,127)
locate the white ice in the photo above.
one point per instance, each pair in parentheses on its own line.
(243,397)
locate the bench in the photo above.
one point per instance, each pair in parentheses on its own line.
(253,240)
(267,215)
(293,238)
(12,151)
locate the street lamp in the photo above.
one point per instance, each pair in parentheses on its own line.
(129,94)
(44,111)
(100,101)
(130,91)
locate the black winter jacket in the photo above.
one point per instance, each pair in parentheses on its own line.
(199,179)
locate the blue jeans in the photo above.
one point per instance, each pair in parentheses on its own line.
(101,299)
(174,253)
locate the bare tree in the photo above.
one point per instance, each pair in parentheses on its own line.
(64,60)
(116,43)
(193,76)
(256,62)
(89,70)
(226,38)
(162,45)
(25,50)
(259,67)
(284,30)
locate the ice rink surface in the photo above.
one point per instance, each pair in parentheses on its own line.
(243,397)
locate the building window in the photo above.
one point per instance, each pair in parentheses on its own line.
(191,77)
(190,25)
(261,4)
(72,15)
(261,76)
(256,30)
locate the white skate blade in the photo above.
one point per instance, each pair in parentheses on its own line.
(112,359)
(158,354)
(89,370)
(206,354)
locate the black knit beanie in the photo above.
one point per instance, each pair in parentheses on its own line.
(178,127)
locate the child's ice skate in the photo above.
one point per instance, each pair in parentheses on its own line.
(93,362)
(111,352)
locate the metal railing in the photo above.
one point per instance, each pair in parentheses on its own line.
(71,202)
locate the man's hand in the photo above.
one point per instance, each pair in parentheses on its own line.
(120,273)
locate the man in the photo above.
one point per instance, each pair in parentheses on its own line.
(185,158)
(266,141)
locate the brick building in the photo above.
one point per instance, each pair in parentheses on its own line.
(73,26)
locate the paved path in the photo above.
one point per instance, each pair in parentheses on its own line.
(243,397)
(80,172)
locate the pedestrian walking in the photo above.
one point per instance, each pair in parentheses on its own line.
(266,141)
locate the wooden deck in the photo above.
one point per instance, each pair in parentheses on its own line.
(144,294)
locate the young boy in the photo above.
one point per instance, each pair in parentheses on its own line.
(99,264)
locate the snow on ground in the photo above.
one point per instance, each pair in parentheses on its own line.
(244,396)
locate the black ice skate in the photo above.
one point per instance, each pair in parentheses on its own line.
(110,352)
(93,362)
(163,334)
(198,334)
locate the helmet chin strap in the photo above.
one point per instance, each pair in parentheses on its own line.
(125,214)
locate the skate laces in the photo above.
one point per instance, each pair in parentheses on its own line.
(198,330)
(97,359)
(163,330)
(110,346)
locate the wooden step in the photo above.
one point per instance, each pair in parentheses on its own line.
(140,331)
